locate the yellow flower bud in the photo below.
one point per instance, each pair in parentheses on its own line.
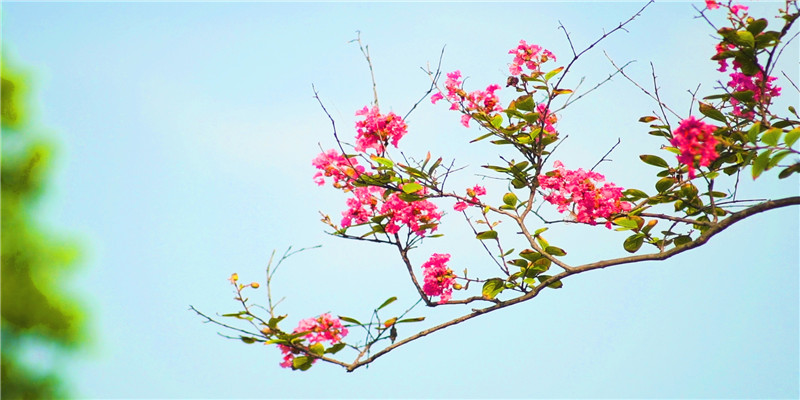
(254,285)
(457,286)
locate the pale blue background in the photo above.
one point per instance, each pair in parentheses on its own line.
(185,136)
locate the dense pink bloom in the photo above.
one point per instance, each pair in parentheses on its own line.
(478,101)
(325,328)
(460,206)
(529,56)
(420,216)
(584,192)
(741,82)
(377,130)
(712,4)
(695,139)
(438,279)
(342,169)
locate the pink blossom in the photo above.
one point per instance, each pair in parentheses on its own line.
(342,169)
(377,130)
(436,97)
(419,216)
(325,328)
(485,101)
(737,7)
(723,47)
(547,119)
(364,205)
(741,82)
(530,56)
(460,206)
(712,4)
(696,142)
(585,193)
(465,120)
(438,279)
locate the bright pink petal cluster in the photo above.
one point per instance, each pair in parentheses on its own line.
(741,82)
(721,48)
(473,192)
(477,101)
(547,118)
(343,170)
(421,217)
(378,130)
(325,328)
(530,56)
(584,193)
(438,279)
(712,4)
(738,7)
(695,139)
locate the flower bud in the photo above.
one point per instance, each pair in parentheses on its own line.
(254,285)
(457,286)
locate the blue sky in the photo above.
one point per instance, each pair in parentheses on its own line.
(185,133)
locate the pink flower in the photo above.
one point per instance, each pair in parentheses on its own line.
(465,120)
(377,130)
(584,193)
(741,82)
(436,97)
(547,119)
(342,169)
(530,56)
(723,47)
(419,216)
(363,206)
(460,206)
(485,101)
(712,4)
(737,7)
(325,328)
(438,279)
(696,142)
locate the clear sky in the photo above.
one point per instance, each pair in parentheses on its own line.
(185,135)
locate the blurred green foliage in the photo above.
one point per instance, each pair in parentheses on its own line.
(37,316)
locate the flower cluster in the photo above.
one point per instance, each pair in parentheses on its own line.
(325,328)
(712,4)
(343,170)
(377,130)
(420,216)
(530,56)
(584,192)
(485,101)
(763,90)
(438,279)
(548,119)
(695,139)
(473,192)
(723,62)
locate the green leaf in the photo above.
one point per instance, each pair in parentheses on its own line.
(553,73)
(487,235)
(779,155)
(302,363)
(709,111)
(317,348)
(682,240)
(247,339)
(384,161)
(771,136)
(554,285)
(555,251)
(273,322)
(626,222)
(648,119)
(664,184)
(757,26)
(752,133)
(746,38)
(745,96)
(635,194)
(791,137)
(654,160)
(789,170)
(633,243)
(388,301)
(350,320)
(415,319)
(411,187)
(496,121)
(335,348)
(760,163)
(525,103)
(492,288)
(479,138)
(510,199)
(530,255)
(539,231)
